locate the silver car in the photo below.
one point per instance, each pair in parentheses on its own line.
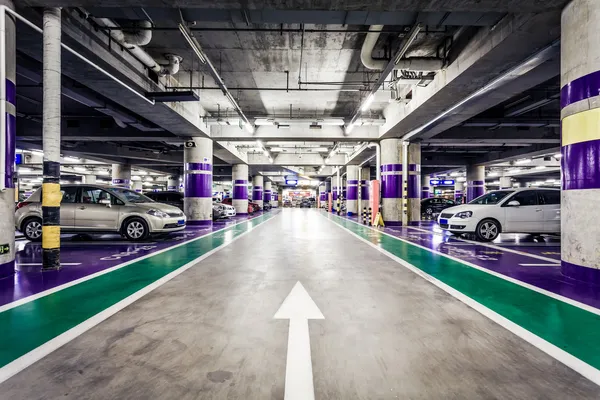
(101,209)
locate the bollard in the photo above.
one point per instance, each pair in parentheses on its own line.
(364,215)
(369,216)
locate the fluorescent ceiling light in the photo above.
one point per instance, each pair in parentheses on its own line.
(192,42)
(349,128)
(266,153)
(249,127)
(540,167)
(558,155)
(368,102)
(493,173)
(461,179)
(80,169)
(454,174)
(514,170)
(524,161)
(71,159)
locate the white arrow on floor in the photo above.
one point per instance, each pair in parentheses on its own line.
(298,307)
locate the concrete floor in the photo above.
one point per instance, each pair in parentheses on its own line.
(210,334)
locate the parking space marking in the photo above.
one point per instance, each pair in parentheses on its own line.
(47,331)
(522,312)
(34,264)
(491,246)
(541,265)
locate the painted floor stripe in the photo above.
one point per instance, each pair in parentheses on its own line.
(569,360)
(36,296)
(33,264)
(491,246)
(49,346)
(488,271)
(575,363)
(541,265)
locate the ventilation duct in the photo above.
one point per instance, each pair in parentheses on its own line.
(411,64)
(132,42)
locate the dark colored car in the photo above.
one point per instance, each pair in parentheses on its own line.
(229,202)
(267,206)
(435,205)
(170,198)
(305,203)
(254,206)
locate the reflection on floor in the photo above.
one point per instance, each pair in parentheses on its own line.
(83,255)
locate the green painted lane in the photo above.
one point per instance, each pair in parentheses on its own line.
(32,324)
(568,327)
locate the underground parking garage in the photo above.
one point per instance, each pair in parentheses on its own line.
(298,201)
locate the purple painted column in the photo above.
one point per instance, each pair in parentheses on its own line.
(240,188)
(267,193)
(197,202)
(257,190)
(580,140)
(8,129)
(121,175)
(475,181)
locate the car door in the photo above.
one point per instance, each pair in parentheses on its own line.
(550,204)
(527,217)
(92,215)
(68,205)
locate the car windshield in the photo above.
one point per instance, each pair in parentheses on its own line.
(131,196)
(492,197)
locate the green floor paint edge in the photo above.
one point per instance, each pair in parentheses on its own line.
(32,324)
(566,326)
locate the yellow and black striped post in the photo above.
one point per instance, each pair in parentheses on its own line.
(51,197)
(369,216)
(364,213)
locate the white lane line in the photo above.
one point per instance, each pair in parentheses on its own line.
(548,293)
(42,351)
(105,271)
(557,264)
(298,307)
(559,354)
(32,264)
(491,246)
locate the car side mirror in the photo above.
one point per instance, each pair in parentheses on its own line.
(513,203)
(106,202)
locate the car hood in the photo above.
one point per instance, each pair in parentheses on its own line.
(467,207)
(158,206)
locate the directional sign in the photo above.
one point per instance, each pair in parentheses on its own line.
(298,307)
(4,248)
(441,182)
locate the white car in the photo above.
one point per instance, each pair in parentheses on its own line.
(224,210)
(533,211)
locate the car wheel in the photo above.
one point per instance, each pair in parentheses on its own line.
(136,229)
(487,230)
(32,229)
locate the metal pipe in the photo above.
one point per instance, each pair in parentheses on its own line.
(278,30)
(367,49)
(78,55)
(261,89)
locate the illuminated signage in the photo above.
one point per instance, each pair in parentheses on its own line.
(18,158)
(291,182)
(441,182)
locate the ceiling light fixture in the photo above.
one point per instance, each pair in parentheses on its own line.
(523,161)
(349,128)
(558,155)
(368,102)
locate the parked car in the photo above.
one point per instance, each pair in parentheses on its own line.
(101,209)
(287,203)
(229,202)
(228,211)
(218,211)
(266,206)
(533,211)
(435,205)
(171,198)
(254,205)
(305,203)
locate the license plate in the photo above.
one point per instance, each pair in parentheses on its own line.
(443,222)
(181,222)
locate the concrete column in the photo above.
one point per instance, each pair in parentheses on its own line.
(257,190)
(121,175)
(240,188)
(426,191)
(505,182)
(391,181)
(475,181)
(267,193)
(51,116)
(363,193)
(328,186)
(197,201)
(344,187)
(173,183)
(459,191)
(414,182)
(91,179)
(137,186)
(352,190)
(580,111)
(275,197)
(8,124)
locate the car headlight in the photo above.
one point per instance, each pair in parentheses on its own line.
(464,214)
(158,213)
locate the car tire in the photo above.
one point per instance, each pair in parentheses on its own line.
(487,230)
(136,229)
(32,229)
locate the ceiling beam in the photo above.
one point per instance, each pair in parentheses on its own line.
(295,132)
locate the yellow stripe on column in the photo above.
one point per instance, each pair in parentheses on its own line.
(581,127)
(51,195)
(50,237)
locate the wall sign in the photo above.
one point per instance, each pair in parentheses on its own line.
(4,248)
(441,182)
